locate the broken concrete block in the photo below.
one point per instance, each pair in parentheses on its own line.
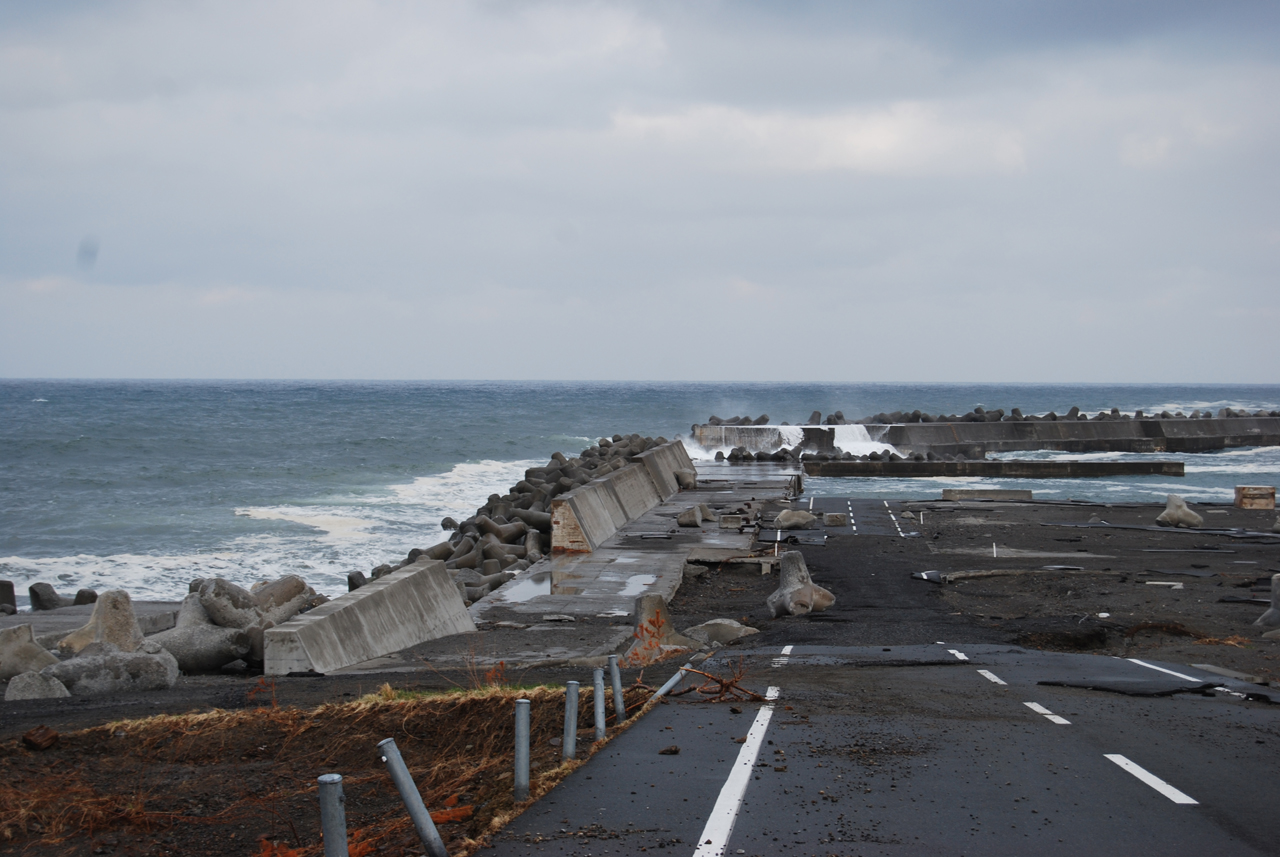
(228,605)
(20,653)
(797,594)
(1271,618)
(1178,514)
(719,631)
(102,668)
(686,479)
(34,685)
(655,636)
(794,519)
(691,517)
(112,621)
(835,519)
(199,645)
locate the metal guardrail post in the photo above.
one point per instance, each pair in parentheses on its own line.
(333,815)
(412,799)
(570,719)
(598,698)
(673,681)
(619,703)
(522,751)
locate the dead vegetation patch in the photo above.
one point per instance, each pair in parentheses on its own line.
(244,782)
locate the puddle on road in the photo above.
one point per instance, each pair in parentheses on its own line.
(529,588)
(636,584)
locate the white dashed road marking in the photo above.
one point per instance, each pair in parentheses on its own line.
(990,676)
(781,661)
(715,835)
(1162,669)
(893,518)
(1151,779)
(1053,718)
(960,656)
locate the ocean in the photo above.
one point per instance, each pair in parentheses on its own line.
(144,485)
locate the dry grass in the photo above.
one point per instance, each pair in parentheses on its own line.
(243,782)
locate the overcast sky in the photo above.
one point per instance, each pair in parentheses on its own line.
(980,191)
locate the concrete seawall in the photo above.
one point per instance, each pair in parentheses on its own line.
(1005,469)
(582,519)
(976,440)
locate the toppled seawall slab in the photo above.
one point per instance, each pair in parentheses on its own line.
(582,519)
(404,608)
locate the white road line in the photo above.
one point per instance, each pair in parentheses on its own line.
(960,656)
(1053,718)
(810,504)
(1151,779)
(781,661)
(852,522)
(1163,670)
(894,518)
(990,676)
(715,835)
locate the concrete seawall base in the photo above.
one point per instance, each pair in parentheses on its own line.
(1006,469)
(407,607)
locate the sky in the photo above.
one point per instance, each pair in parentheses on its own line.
(942,191)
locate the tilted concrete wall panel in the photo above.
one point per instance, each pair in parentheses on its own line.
(635,489)
(404,608)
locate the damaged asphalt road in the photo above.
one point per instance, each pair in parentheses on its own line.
(905,726)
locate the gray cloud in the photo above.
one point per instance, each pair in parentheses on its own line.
(998,191)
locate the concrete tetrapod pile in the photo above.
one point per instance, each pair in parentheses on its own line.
(512,531)
(218,624)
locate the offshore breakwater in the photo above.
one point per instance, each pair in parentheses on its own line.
(975,439)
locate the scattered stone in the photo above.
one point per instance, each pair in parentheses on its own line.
(558,617)
(44,597)
(20,653)
(102,668)
(719,631)
(197,644)
(691,517)
(794,519)
(673,750)
(686,479)
(835,519)
(40,738)
(1178,514)
(34,685)
(797,594)
(112,622)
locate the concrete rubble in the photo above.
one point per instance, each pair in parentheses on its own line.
(797,594)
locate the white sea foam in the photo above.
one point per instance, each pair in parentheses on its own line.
(848,438)
(350,533)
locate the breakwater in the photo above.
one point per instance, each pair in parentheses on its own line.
(1014,469)
(975,440)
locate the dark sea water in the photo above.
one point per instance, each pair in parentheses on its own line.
(147,484)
